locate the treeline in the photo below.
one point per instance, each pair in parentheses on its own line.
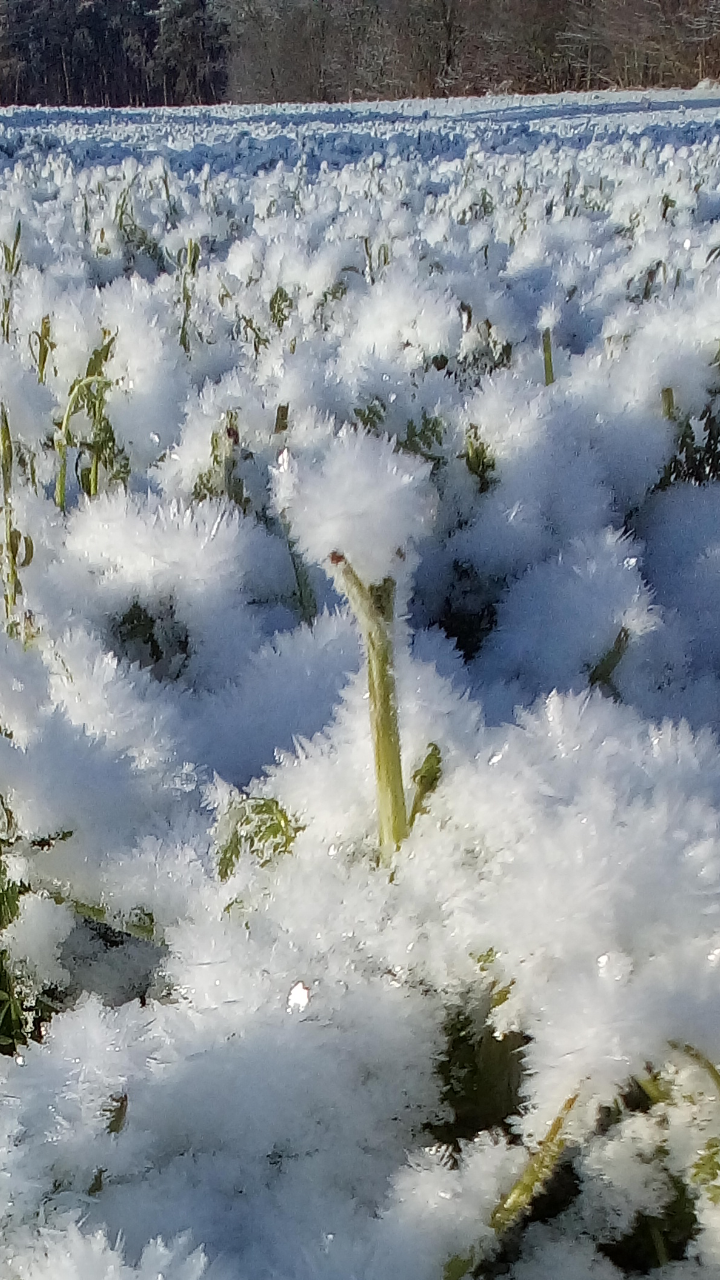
(112,52)
(150,52)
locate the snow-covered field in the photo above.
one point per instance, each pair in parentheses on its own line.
(250,360)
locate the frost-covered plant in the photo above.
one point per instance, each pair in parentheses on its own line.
(358,514)
(281,305)
(221,478)
(371,415)
(697,457)
(137,240)
(88,394)
(252,332)
(258,824)
(17,548)
(188,261)
(518,1201)
(376,260)
(426,439)
(479,460)
(41,347)
(11,264)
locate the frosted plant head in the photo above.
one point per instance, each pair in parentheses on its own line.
(548,317)
(362,500)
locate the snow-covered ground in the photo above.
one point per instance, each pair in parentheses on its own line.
(242,349)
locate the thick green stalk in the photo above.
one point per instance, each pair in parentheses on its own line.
(374,609)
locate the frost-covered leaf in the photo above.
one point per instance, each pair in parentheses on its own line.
(281,305)
(258,825)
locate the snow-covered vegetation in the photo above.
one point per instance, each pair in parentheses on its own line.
(360,684)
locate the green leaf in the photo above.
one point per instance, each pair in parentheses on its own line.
(422,440)
(479,460)
(12,1022)
(88,910)
(457,1266)
(372,415)
(8,826)
(101,354)
(29,551)
(140,923)
(481,1077)
(11,891)
(538,1172)
(655,1087)
(259,825)
(601,674)
(706,1168)
(426,779)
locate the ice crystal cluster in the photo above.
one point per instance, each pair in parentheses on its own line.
(289,399)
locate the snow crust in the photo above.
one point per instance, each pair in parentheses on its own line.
(240,1075)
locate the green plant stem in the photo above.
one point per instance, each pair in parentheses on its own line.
(64,440)
(94,474)
(61,481)
(10,573)
(547,357)
(374,607)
